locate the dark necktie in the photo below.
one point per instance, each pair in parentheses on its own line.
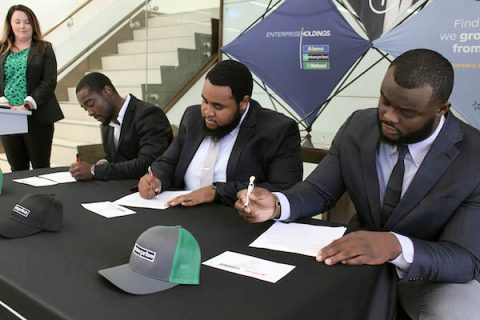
(393,191)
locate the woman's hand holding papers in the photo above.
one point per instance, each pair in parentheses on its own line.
(261,205)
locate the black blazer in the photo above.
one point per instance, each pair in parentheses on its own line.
(372,21)
(145,135)
(440,211)
(267,146)
(41,82)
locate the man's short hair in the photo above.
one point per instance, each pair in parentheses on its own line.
(234,75)
(95,81)
(419,67)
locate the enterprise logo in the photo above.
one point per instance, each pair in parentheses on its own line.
(298,34)
(144,253)
(21,210)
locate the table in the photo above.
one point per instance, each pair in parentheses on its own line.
(54,275)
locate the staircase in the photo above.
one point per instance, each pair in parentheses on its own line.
(177,43)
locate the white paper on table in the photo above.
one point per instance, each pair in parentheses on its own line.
(107,209)
(36,181)
(159,202)
(250,266)
(60,177)
(297,238)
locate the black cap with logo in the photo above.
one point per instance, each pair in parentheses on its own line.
(32,214)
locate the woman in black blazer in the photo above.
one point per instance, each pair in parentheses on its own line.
(28,77)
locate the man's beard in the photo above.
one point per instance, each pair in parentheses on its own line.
(222,131)
(413,137)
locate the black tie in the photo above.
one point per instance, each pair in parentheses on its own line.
(393,191)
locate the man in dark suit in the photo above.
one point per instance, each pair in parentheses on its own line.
(224,141)
(378,15)
(134,132)
(427,226)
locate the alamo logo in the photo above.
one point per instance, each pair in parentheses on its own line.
(144,253)
(21,210)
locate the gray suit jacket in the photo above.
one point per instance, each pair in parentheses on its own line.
(267,146)
(440,211)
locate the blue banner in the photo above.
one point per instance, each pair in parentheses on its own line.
(453,29)
(301,51)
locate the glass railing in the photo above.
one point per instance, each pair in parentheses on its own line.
(151,49)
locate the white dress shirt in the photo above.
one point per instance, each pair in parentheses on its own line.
(194,171)
(117,123)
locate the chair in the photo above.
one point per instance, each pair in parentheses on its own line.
(344,209)
(90,153)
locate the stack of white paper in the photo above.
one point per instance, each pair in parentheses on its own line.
(297,238)
(158,202)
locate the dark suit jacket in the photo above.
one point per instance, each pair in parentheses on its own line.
(145,135)
(372,21)
(41,82)
(267,147)
(440,211)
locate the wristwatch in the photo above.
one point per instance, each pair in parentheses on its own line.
(278,208)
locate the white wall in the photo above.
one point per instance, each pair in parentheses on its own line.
(48,15)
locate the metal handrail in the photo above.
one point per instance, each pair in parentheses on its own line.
(93,44)
(68,17)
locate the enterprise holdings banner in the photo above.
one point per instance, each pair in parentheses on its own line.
(301,51)
(453,29)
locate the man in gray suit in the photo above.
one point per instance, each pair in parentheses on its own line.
(429,230)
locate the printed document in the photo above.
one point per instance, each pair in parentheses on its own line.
(60,177)
(159,202)
(49,179)
(107,209)
(297,238)
(250,266)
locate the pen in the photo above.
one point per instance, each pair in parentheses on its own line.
(150,173)
(249,191)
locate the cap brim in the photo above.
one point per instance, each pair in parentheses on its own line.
(126,279)
(10,228)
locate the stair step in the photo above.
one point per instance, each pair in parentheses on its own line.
(133,77)
(122,91)
(169,31)
(85,131)
(139,61)
(186,17)
(140,46)
(73,111)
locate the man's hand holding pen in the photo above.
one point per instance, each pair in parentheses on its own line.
(149,186)
(260,205)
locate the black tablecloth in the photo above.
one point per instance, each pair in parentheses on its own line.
(54,275)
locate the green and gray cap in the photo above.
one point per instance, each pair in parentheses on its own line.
(162,257)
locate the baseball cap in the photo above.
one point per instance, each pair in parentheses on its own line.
(162,257)
(33,213)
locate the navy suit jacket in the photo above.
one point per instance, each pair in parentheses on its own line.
(440,211)
(145,135)
(267,147)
